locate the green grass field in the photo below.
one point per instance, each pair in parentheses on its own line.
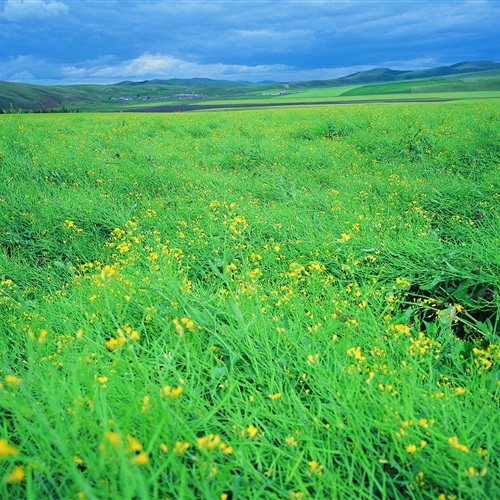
(430,84)
(296,101)
(289,303)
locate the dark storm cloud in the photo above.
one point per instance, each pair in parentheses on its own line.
(108,41)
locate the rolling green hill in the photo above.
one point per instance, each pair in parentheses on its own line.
(14,96)
(383,75)
(379,75)
(461,77)
(428,85)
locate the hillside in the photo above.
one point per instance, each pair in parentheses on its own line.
(14,96)
(491,83)
(463,77)
(383,75)
(388,75)
(191,82)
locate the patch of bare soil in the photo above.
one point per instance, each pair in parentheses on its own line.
(199,107)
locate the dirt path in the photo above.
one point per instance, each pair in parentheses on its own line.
(199,107)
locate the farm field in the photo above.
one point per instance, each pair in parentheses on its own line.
(189,94)
(314,98)
(273,303)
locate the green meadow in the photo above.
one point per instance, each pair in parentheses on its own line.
(472,80)
(294,303)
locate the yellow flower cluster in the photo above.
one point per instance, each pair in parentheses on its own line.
(213,441)
(453,441)
(128,445)
(171,392)
(69,224)
(17,474)
(123,335)
(182,324)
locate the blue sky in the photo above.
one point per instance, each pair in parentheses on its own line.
(107,41)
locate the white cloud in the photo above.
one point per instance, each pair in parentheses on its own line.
(16,10)
(21,68)
(22,76)
(160,66)
(415,64)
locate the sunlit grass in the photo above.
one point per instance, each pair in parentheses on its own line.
(334,94)
(292,303)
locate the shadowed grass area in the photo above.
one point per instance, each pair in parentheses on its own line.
(286,303)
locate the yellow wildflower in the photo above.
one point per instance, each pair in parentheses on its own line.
(252,430)
(6,449)
(312,358)
(145,403)
(226,450)
(107,272)
(209,442)
(113,438)
(133,444)
(355,352)
(17,475)
(178,327)
(43,335)
(115,343)
(172,393)
(12,381)
(315,468)
(188,323)
(140,459)
(453,441)
(134,335)
(180,447)
(231,267)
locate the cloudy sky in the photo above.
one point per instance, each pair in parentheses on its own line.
(107,41)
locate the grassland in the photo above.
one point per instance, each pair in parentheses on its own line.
(287,303)
(459,81)
(428,86)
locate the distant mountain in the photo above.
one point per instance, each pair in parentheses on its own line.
(372,75)
(14,95)
(190,82)
(463,76)
(381,75)
(387,75)
(468,67)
